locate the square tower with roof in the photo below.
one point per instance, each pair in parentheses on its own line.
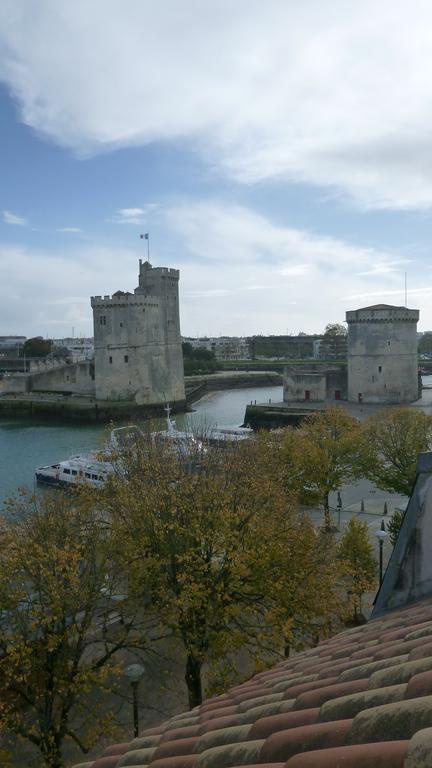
(138,352)
(382,354)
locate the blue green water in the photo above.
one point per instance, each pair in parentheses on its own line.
(26,445)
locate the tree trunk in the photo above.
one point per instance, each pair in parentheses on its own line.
(327,517)
(193,680)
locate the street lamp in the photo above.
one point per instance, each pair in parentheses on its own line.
(381,535)
(134,673)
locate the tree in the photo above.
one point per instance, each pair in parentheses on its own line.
(359,565)
(198,360)
(425,345)
(394,525)
(396,436)
(37,347)
(63,619)
(218,549)
(327,450)
(334,341)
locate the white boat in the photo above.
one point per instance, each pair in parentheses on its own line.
(77,469)
(229,434)
(92,469)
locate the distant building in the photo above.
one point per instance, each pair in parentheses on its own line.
(138,354)
(78,348)
(11,346)
(223,347)
(285,347)
(382,354)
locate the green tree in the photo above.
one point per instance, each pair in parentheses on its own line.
(394,525)
(334,341)
(63,619)
(359,565)
(197,361)
(217,547)
(425,344)
(37,347)
(326,451)
(396,436)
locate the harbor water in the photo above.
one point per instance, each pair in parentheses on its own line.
(25,445)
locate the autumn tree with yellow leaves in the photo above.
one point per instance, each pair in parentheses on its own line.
(326,451)
(63,619)
(214,545)
(395,437)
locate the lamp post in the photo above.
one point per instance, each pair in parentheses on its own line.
(134,673)
(381,535)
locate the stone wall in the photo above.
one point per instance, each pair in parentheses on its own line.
(301,387)
(138,353)
(75,378)
(382,355)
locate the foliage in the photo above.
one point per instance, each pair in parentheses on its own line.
(282,347)
(216,546)
(59,634)
(37,347)
(326,451)
(425,344)
(359,565)
(394,525)
(198,361)
(334,330)
(334,341)
(396,436)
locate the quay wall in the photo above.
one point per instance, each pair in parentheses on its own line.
(70,378)
(197,386)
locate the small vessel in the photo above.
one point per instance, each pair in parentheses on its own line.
(182,442)
(87,469)
(93,469)
(219,435)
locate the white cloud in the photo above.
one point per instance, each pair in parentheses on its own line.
(262,277)
(134,215)
(12,218)
(69,229)
(324,92)
(240,273)
(42,293)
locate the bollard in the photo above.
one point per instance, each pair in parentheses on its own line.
(385,508)
(362,508)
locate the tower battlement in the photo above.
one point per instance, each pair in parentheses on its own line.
(382,354)
(138,353)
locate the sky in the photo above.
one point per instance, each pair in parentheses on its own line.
(279,154)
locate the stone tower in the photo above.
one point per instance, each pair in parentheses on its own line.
(382,354)
(138,352)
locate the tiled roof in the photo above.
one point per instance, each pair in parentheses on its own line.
(362,699)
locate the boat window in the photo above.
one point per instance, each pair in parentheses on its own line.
(74,472)
(87,474)
(101,477)
(66,471)
(95,477)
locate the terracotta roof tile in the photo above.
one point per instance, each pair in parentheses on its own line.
(117,749)
(326,693)
(268,725)
(362,699)
(388,754)
(282,745)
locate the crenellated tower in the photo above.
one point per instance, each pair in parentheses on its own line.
(138,352)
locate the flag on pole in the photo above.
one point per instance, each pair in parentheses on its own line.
(144,237)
